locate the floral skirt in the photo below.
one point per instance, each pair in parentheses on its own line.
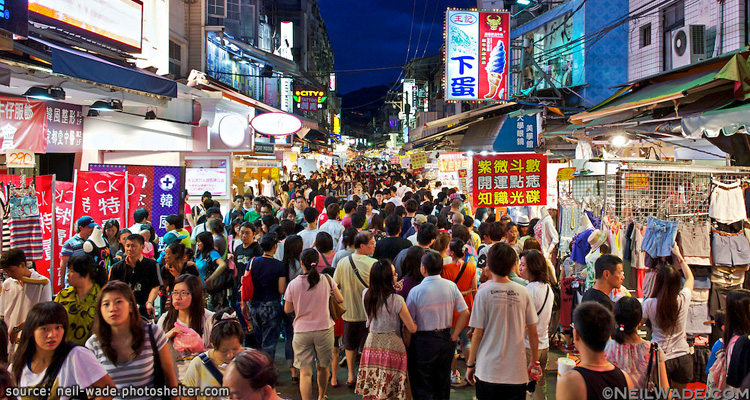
(382,369)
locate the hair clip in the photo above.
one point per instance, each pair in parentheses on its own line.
(622,328)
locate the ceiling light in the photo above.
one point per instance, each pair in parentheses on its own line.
(150,114)
(48,93)
(619,141)
(112,105)
(523,2)
(92,113)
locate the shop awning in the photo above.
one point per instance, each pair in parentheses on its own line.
(477,112)
(713,123)
(481,136)
(82,65)
(674,89)
(440,135)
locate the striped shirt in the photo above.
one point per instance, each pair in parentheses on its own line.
(432,302)
(137,372)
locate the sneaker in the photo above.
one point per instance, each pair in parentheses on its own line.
(456,379)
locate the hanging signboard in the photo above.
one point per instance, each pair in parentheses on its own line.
(156,189)
(45,190)
(23,124)
(19,158)
(477,47)
(64,127)
(518,134)
(510,180)
(565,174)
(418,160)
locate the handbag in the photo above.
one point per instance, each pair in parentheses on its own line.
(335,308)
(247,289)
(221,282)
(652,383)
(159,380)
(557,297)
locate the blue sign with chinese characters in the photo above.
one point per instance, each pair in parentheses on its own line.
(519,133)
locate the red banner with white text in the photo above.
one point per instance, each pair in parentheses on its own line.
(136,184)
(63,216)
(510,180)
(23,124)
(101,196)
(45,197)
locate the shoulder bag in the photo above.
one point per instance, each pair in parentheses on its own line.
(546,296)
(211,367)
(652,379)
(221,282)
(356,271)
(335,308)
(160,380)
(461,272)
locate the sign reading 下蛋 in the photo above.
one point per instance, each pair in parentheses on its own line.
(477,59)
(510,180)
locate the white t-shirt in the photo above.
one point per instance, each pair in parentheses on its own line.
(503,310)
(538,290)
(79,368)
(674,344)
(16,299)
(254,184)
(268,186)
(308,237)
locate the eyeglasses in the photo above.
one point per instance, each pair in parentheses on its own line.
(183,293)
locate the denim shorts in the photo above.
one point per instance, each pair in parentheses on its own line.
(659,237)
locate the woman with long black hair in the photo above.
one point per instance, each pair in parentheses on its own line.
(210,266)
(382,370)
(44,359)
(667,309)
(125,345)
(736,333)
(187,309)
(292,265)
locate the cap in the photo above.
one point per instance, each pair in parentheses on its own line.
(86,221)
(523,220)
(596,239)
(419,219)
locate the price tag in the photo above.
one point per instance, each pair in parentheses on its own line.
(19,158)
(565,174)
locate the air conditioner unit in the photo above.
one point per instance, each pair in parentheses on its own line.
(688,45)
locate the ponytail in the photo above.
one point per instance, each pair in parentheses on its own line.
(310,259)
(457,247)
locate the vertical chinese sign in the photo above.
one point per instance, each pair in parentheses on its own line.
(64,127)
(63,218)
(45,187)
(477,55)
(510,180)
(518,134)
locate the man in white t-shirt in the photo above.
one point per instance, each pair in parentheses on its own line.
(311,230)
(23,289)
(502,315)
(333,227)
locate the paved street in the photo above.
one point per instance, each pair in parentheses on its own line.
(287,389)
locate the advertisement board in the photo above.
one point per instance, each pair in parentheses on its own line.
(64,127)
(509,180)
(115,22)
(23,124)
(220,65)
(199,180)
(309,99)
(520,133)
(477,62)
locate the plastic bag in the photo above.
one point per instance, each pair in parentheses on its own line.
(187,340)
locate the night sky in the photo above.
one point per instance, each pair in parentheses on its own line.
(369,34)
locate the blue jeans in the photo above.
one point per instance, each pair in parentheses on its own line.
(266,320)
(288,338)
(659,237)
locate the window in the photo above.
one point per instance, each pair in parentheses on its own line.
(645,35)
(673,17)
(175,59)
(233,10)
(217,8)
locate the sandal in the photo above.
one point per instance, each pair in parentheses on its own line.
(351,385)
(330,376)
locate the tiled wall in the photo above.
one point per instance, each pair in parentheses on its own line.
(648,60)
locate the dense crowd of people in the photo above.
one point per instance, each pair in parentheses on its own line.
(433,296)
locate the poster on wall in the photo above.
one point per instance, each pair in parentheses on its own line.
(23,124)
(64,127)
(199,180)
(157,189)
(477,48)
(249,176)
(509,180)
